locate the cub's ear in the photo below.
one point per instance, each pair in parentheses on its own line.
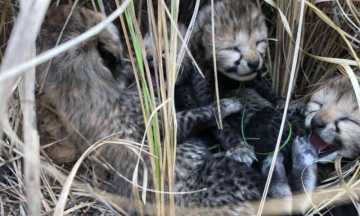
(109,59)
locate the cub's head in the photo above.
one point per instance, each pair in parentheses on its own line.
(150,54)
(333,114)
(240,38)
(98,60)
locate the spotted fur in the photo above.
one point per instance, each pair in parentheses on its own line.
(229,182)
(263,122)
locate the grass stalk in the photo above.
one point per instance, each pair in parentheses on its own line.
(31,140)
(28,23)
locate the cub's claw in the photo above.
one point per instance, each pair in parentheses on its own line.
(242,154)
(297,107)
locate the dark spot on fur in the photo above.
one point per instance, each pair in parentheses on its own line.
(223,202)
(338,143)
(337,129)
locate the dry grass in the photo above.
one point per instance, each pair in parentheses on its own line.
(32,184)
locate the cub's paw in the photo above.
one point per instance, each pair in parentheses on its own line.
(303,153)
(298,107)
(267,163)
(242,154)
(229,106)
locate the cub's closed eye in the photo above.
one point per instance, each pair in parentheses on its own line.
(317,103)
(314,106)
(261,41)
(232,49)
(346,119)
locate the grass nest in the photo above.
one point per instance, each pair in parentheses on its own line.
(329,44)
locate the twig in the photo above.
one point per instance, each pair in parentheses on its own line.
(2,207)
(21,40)
(94,194)
(215,68)
(8,73)
(31,140)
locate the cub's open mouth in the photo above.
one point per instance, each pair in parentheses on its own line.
(321,146)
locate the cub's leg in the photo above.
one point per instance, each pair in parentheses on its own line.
(199,118)
(279,187)
(261,88)
(234,144)
(228,183)
(304,170)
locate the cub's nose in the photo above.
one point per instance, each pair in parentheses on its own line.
(317,123)
(253,64)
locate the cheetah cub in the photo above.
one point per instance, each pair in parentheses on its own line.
(333,114)
(240,39)
(240,46)
(186,67)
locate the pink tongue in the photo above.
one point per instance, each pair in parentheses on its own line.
(318,143)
